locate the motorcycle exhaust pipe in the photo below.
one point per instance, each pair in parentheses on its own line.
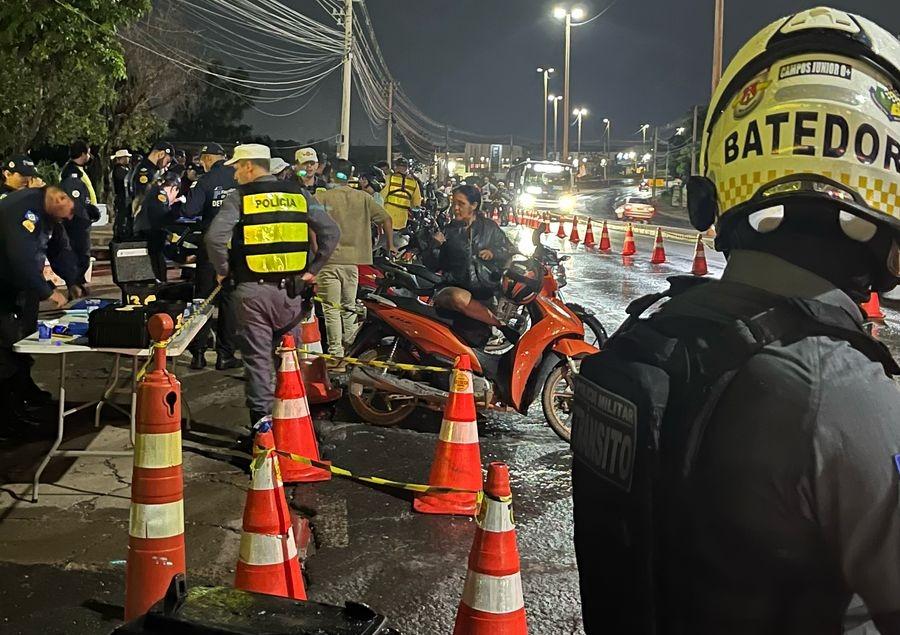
(371,378)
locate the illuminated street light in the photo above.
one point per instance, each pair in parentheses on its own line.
(679,130)
(578,13)
(559,12)
(579,115)
(555,99)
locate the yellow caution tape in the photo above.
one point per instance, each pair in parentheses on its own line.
(260,454)
(355,361)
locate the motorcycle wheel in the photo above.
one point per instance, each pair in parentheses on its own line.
(558,398)
(373,406)
(594,333)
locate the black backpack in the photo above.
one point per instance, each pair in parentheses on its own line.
(641,409)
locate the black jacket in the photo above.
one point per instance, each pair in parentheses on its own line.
(208,192)
(155,212)
(458,256)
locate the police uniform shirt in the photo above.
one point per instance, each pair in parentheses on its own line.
(119,175)
(155,211)
(142,178)
(71,182)
(220,231)
(802,455)
(208,192)
(24,233)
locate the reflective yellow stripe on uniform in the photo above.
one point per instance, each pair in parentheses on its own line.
(277,263)
(274,202)
(157,450)
(156,521)
(493,594)
(276,233)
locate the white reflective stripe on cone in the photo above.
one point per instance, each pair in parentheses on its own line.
(263,478)
(156,521)
(261,549)
(288,363)
(495,516)
(493,594)
(157,450)
(459,431)
(290,408)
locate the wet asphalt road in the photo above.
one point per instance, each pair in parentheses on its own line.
(369,545)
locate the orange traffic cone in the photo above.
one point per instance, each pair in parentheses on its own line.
(628,248)
(699,267)
(561,231)
(492,601)
(268,561)
(313,370)
(293,427)
(457,458)
(604,238)
(573,237)
(872,308)
(156,525)
(589,242)
(659,252)
(546,222)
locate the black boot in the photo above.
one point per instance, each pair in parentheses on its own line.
(198,360)
(227,363)
(510,334)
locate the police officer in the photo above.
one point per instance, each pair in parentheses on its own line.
(204,200)
(121,162)
(27,217)
(737,444)
(77,184)
(153,216)
(267,222)
(401,194)
(148,170)
(18,173)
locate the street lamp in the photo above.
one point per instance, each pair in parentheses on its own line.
(555,99)
(567,14)
(546,73)
(579,115)
(644,129)
(607,122)
(679,131)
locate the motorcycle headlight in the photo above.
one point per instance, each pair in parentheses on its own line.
(534,189)
(526,200)
(567,203)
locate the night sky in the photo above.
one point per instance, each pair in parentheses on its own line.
(472,63)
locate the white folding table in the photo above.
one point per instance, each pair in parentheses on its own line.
(115,384)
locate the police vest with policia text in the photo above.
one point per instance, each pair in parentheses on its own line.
(400,191)
(271,238)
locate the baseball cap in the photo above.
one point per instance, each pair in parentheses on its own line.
(401,161)
(213,148)
(250,151)
(121,154)
(304,155)
(163,146)
(278,165)
(21,164)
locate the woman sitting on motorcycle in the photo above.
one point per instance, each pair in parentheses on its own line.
(473,253)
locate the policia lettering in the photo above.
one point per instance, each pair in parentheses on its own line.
(812,133)
(609,424)
(271,240)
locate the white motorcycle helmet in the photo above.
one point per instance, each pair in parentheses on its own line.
(808,109)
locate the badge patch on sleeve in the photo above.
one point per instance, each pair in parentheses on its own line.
(161,198)
(143,179)
(28,225)
(29,215)
(76,194)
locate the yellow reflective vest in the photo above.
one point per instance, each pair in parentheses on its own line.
(400,195)
(271,238)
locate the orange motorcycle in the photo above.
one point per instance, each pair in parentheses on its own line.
(401,328)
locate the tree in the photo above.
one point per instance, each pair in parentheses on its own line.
(215,110)
(71,61)
(680,159)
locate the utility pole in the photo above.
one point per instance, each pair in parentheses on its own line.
(546,73)
(344,146)
(390,123)
(718,29)
(447,148)
(565,147)
(655,144)
(694,144)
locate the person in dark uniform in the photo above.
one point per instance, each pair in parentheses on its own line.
(122,220)
(77,184)
(27,218)
(179,164)
(153,217)
(147,171)
(270,276)
(736,445)
(18,173)
(204,200)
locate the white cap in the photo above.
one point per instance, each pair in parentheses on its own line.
(121,154)
(277,165)
(304,155)
(249,151)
